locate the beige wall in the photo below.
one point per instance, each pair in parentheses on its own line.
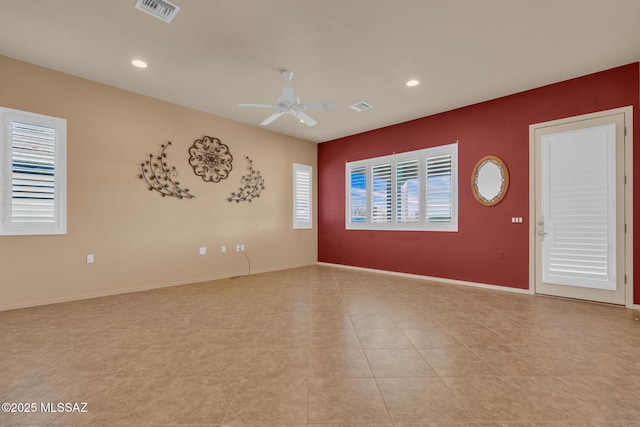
(140,239)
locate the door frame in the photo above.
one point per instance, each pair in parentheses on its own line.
(628,193)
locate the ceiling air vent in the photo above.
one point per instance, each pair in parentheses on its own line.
(361,106)
(161,9)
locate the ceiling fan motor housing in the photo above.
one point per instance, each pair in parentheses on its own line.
(288,74)
(289,104)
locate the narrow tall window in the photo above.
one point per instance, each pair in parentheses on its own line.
(33,149)
(416,190)
(302,196)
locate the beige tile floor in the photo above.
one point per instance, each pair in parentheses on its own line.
(321,346)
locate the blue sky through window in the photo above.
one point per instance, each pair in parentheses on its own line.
(358,195)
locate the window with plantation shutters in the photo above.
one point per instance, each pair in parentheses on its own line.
(357,192)
(302,196)
(34,176)
(416,190)
(407,194)
(381,193)
(438,189)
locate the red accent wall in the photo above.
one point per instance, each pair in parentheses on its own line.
(499,127)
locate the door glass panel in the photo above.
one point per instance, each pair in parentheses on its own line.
(578,207)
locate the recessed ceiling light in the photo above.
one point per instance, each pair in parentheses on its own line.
(412,83)
(139,63)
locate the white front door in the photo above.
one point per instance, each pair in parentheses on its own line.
(579,221)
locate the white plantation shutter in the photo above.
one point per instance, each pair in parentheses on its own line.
(34,174)
(407,193)
(439,189)
(33,157)
(381,195)
(357,191)
(302,196)
(579,214)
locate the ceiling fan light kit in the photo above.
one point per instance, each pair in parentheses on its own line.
(288,103)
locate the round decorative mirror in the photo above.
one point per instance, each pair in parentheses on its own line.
(490,180)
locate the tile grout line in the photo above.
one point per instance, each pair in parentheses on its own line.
(375,379)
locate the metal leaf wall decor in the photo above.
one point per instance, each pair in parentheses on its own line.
(160,177)
(210,159)
(253,184)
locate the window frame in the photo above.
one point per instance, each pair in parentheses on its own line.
(297,223)
(394,159)
(9,227)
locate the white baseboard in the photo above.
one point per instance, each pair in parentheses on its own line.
(207,279)
(108,293)
(433,279)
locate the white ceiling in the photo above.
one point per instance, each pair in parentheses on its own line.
(217,53)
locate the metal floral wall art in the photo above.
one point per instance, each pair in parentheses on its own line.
(160,177)
(253,184)
(210,159)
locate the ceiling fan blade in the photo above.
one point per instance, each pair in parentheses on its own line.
(271,118)
(318,106)
(309,121)
(241,104)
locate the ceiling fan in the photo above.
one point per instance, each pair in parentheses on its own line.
(288,103)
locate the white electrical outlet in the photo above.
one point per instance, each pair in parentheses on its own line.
(237,248)
(203,250)
(242,248)
(89,258)
(223,249)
